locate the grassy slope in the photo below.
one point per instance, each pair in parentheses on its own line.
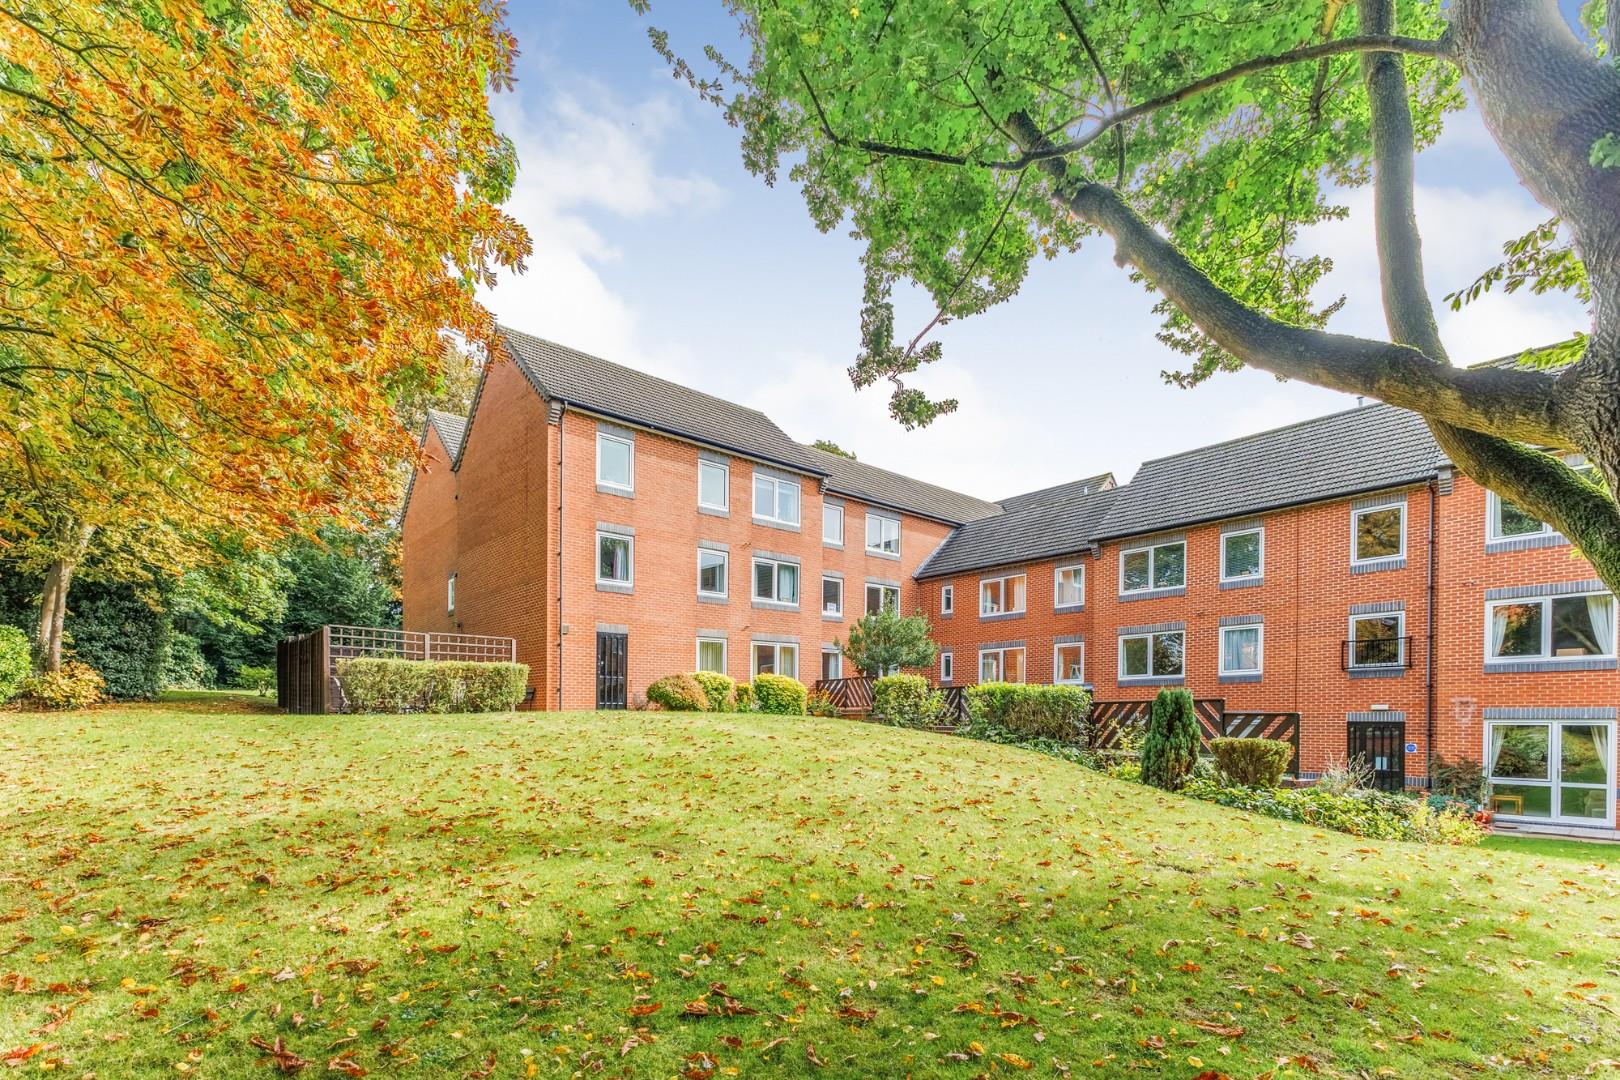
(177,880)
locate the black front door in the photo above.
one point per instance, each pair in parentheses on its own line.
(1381,744)
(610,667)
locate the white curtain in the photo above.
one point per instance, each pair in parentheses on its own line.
(1499,625)
(1600,610)
(1600,739)
(1498,733)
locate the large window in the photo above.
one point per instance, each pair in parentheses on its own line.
(1069,586)
(1241,650)
(1163,566)
(615,462)
(1505,521)
(711,654)
(714,484)
(832,524)
(1550,627)
(776,499)
(1002,664)
(1158,655)
(1378,640)
(832,596)
(713,572)
(882,535)
(614,559)
(1002,595)
(1069,662)
(1377,533)
(1243,554)
(777,582)
(772,658)
(1554,770)
(882,598)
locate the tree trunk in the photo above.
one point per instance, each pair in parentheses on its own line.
(54,594)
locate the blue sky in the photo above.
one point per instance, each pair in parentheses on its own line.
(655,248)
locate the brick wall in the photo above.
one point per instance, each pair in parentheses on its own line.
(428,541)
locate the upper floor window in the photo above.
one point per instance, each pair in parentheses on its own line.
(1069,586)
(1001,595)
(1069,662)
(1161,654)
(1241,649)
(882,535)
(775,581)
(832,596)
(1243,554)
(1506,521)
(1162,566)
(713,571)
(615,462)
(832,524)
(1378,640)
(1377,533)
(776,499)
(1550,627)
(947,599)
(881,598)
(450,595)
(714,484)
(1002,664)
(614,563)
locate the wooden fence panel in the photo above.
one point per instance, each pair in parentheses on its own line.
(306,666)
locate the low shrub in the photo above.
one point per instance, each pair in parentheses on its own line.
(720,690)
(905,701)
(16,661)
(821,703)
(439,686)
(76,686)
(261,680)
(1252,762)
(780,695)
(1347,775)
(678,693)
(1034,712)
(745,698)
(1462,779)
(1375,815)
(1170,747)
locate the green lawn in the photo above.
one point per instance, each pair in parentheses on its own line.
(652,894)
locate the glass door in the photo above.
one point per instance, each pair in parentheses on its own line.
(1558,770)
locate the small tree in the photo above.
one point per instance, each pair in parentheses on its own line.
(1170,749)
(886,641)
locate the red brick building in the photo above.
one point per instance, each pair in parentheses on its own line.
(621,528)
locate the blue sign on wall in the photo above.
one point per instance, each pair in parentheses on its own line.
(1411,748)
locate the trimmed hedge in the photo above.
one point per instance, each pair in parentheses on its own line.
(76,686)
(1029,711)
(678,693)
(1253,762)
(780,695)
(905,701)
(438,686)
(721,690)
(16,661)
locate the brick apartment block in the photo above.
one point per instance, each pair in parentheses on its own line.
(621,527)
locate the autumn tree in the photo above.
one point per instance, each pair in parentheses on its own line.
(962,139)
(231,236)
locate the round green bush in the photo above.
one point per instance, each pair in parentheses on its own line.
(905,701)
(1253,762)
(780,695)
(15,661)
(720,689)
(678,693)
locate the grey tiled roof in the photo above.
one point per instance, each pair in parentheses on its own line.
(1089,484)
(1363,449)
(1061,522)
(452,430)
(861,481)
(613,390)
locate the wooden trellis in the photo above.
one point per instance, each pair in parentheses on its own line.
(306,666)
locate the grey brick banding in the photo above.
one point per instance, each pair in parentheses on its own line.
(1002,616)
(1555,712)
(1244,678)
(1372,566)
(1151,628)
(1152,594)
(615,587)
(1152,680)
(1069,639)
(1157,540)
(991,646)
(890,582)
(1561,588)
(773,639)
(1527,543)
(1570,663)
(615,530)
(722,635)
(1376,715)
(612,628)
(1244,583)
(1383,607)
(1375,502)
(1243,620)
(1391,672)
(714,545)
(776,557)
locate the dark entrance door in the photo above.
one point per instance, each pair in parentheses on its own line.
(611,650)
(1381,744)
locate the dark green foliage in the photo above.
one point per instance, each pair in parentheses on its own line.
(678,693)
(1253,762)
(886,641)
(720,689)
(16,661)
(437,686)
(1024,710)
(186,669)
(780,694)
(261,680)
(1375,815)
(906,701)
(122,633)
(1462,779)
(1170,747)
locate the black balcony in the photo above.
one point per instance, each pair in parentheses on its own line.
(1375,654)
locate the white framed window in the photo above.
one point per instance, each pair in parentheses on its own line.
(1002,595)
(947,667)
(1243,554)
(1505,521)
(1068,662)
(1002,664)
(1069,586)
(714,484)
(832,524)
(832,596)
(1552,770)
(832,664)
(1242,650)
(1540,628)
(1158,655)
(711,654)
(1378,640)
(775,658)
(1162,566)
(776,581)
(881,598)
(947,599)
(714,573)
(1377,533)
(450,595)
(615,559)
(882,535)
(776,499)
(615,462)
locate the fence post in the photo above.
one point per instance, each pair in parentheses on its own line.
(324,700)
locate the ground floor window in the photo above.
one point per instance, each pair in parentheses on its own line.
(1069,663)
(711,654)
(772,658)
(1156,655)
(1001,665)
(947,667)
(1554,770)
(832,664)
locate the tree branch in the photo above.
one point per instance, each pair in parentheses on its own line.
(1108,88)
